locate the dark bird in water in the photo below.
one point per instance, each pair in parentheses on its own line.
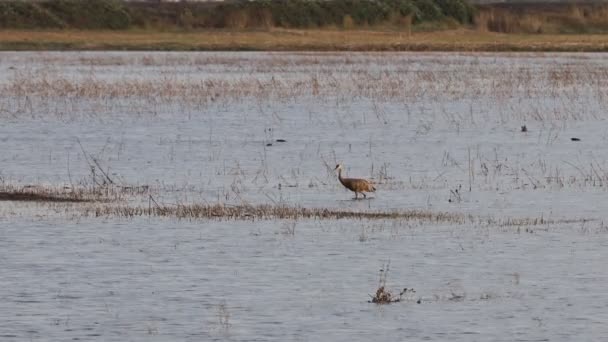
(357,185)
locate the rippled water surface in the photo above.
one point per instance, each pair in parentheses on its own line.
(149,280)
(435,132)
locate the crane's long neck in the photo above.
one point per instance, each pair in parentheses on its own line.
(340,176)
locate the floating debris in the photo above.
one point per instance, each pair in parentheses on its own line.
(455,195)
(24,196)
(384,296)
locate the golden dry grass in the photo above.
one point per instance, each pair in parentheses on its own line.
(111,202)
(221,211)
(543,18)
(265,212)
(281,40)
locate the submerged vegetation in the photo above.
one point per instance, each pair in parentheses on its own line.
(265,212)
(122,202)
(385,296)
(202,176)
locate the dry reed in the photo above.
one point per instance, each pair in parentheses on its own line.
(385,296)
(543,18)
(337,78)
(119,202)
(265,212)
(301,40)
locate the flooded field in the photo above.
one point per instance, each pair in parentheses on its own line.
(191,196)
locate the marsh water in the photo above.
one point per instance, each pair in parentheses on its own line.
(435,132)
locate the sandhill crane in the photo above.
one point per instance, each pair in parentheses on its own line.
(357,185)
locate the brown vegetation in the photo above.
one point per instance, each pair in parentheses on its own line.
(553,18)
(45,194)
(265,212)
(100,205)
(34,90)
(197,211)
(385,296)
(188,15)
(39,197)
(299,40)
(70,194)
(102,202)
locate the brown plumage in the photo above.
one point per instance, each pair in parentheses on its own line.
(357,185)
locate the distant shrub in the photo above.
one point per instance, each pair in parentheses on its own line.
(91,14)
(236,20)
(370,12)
(21,14)
(348,22)
(407,8)
(240,14)
(186,19)
(428,10)
(457,9)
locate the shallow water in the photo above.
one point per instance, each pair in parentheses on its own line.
(242,281)
(459,128)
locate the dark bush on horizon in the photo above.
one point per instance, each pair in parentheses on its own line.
(90,14)
(117,14)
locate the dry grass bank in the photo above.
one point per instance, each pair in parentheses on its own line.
(266,212)
(248,212)
(286,40)
(283,212)
(120,202)
(537,18)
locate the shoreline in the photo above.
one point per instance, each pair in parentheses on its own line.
(299,40)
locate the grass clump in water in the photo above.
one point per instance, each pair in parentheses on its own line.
(384,296)
(264,212)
